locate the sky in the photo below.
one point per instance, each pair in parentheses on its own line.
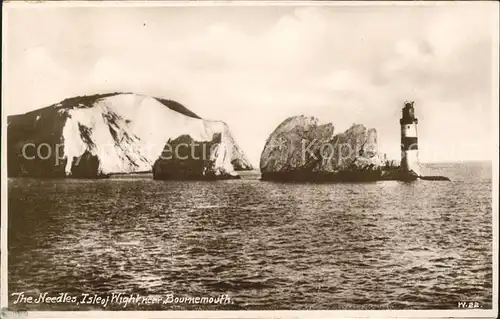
(255,66)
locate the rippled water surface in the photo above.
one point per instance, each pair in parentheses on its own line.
(267,245)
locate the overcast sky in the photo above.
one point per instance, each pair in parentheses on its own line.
(254,66)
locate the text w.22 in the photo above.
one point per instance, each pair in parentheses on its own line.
(469,304)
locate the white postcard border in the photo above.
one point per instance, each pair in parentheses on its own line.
(478,313)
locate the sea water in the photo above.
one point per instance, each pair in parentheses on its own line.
(264,245)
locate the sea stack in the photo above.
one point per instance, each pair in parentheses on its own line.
(301,149)
(186,159)
(410,165)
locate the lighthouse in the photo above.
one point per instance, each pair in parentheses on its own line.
(409,141)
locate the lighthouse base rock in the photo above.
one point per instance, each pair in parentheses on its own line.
(95,136)
(301,149)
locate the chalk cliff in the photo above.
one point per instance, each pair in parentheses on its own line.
(302,149)
(94,136)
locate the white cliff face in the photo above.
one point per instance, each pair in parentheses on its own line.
(128,132)
(227,150)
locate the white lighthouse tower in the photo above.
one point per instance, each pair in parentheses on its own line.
(410,165)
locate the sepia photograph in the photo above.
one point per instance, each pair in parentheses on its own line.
(250,159)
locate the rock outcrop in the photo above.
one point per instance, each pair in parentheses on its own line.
(94,136)
(186,159)
(300,149)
